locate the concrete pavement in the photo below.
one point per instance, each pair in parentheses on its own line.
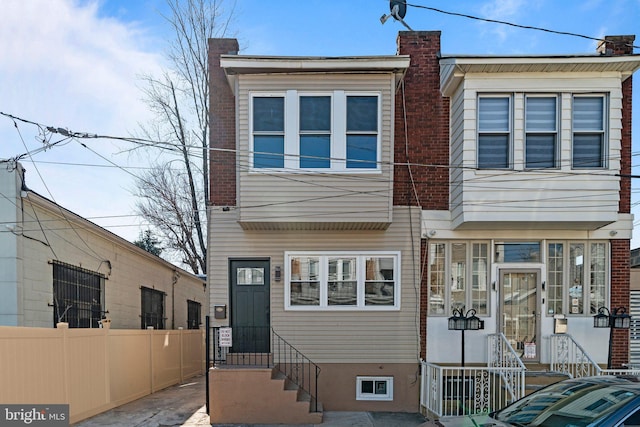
(183,405)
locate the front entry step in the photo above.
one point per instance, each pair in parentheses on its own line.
(257,396)
(538,376)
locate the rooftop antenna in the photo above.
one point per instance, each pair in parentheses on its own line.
(398,10)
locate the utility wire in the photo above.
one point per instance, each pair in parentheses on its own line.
(526,27)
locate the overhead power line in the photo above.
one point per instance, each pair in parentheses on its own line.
(526,27)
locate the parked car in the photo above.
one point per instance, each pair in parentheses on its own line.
(603,401)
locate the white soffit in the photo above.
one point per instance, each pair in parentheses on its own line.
(454,68)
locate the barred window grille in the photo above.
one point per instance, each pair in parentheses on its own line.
(78,296)
(193,314)
(152,308)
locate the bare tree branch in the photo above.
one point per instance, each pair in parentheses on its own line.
(175,200)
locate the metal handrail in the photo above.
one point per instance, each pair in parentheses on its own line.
(568,357)
(291,363)
(505,350)
(281,355)
(502,355)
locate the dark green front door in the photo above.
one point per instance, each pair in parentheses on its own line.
(250,323)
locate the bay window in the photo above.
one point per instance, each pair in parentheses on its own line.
(522,130)
(342,281)
(331,131)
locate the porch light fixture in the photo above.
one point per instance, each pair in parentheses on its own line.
(616,319)
(461,321)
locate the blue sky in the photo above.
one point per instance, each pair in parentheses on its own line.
(76,64)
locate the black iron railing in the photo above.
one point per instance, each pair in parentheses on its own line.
(261,347)
(298,368)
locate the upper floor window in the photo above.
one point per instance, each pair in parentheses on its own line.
(342,281)
(524,131)
(330,131)
(494,132)
(268,132)
(541,116)
(589,147)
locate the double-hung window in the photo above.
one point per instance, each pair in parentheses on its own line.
(333,131)
(362,132)
(315,132)
(494,132)
(268,132)
(541,117)
(343,280)
(589,146)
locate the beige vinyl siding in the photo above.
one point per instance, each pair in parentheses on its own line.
(329,336)
(484,196)
(310,197)
(457,145)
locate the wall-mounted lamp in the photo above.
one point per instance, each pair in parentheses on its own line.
(613,233)
(278,273)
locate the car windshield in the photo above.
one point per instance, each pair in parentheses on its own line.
(568,404)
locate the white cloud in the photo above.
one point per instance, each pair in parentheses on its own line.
(505,10)
(62,64)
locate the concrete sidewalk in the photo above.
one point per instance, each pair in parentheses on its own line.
(183,405)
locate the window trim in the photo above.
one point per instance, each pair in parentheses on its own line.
(338,131)
(509,132)
(586,275)
(388,396)
(360,279)
(468,276)
(604,132)
(555,132)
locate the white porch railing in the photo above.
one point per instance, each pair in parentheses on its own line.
(451,390)
(502,355)
(568,357)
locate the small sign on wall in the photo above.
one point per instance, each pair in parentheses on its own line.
(225,338)
(529,350)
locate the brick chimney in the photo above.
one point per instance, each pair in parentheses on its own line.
(427,125)
(616,45)
(222,127)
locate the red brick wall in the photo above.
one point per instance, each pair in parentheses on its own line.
(620,249)
(222,112)
(426,146)
(620,282)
